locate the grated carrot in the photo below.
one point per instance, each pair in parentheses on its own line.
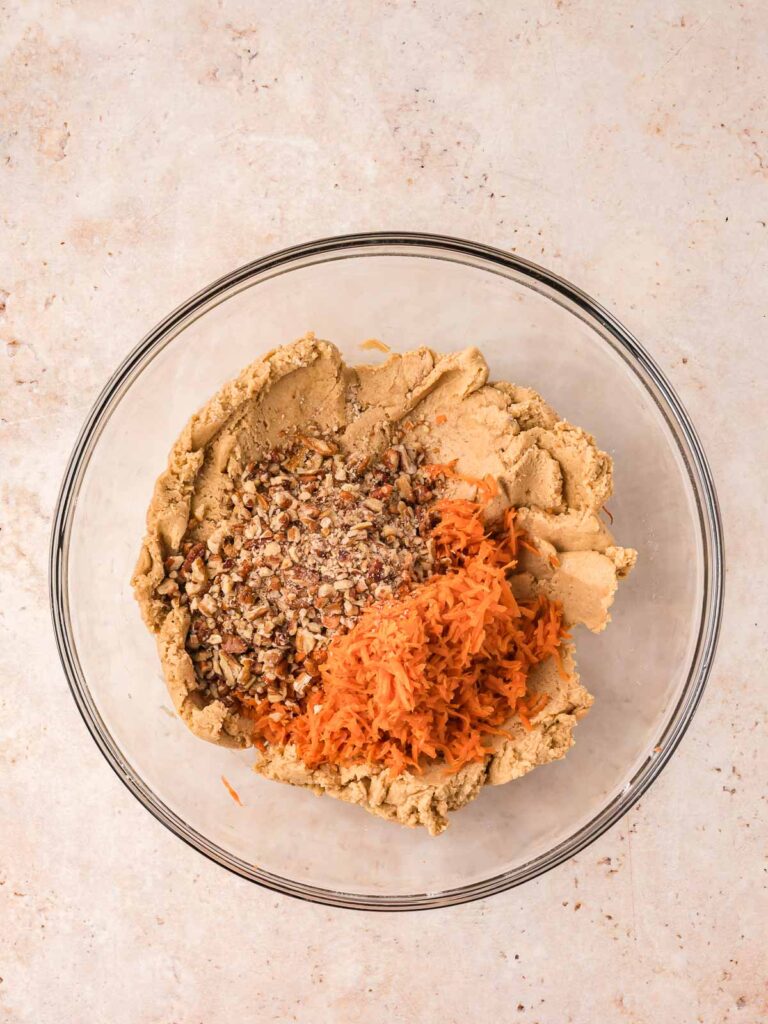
(487,487)
(232,791)
(434,674)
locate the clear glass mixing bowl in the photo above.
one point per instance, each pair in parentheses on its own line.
(647,671)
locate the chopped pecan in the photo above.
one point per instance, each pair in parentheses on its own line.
(233,644)
(194,552)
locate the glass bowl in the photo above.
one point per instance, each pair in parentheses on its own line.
(647,671)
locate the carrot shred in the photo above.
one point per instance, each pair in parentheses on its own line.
(435,673)
(440,419)
(487,487)
(232,791)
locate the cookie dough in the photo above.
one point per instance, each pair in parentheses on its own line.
(551,471)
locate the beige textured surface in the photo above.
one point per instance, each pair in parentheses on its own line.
(145,149)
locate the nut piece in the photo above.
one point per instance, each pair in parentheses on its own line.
(233,644)
(283,500)
(317,444)
(404,488)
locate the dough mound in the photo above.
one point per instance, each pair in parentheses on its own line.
(551,471)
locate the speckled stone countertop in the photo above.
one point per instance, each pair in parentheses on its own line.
(145,150)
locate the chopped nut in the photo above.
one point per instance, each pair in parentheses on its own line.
(406,459)
(198,570)
(305,641)
(317,444)
(404,488)
(301,682)
(361,528)
(194,551)
(230,668)
(233,645)
(391,459)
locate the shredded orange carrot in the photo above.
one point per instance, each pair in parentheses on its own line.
(232,791)
(434,674)
(487,487)
(374,343)
(440,419)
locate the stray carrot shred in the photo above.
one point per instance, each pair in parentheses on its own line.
(440,419)
(232,791)
(375,344)
(436,673)
(487,488)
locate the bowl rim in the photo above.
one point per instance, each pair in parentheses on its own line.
(649,374)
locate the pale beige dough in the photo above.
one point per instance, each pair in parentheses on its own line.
(550,470)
